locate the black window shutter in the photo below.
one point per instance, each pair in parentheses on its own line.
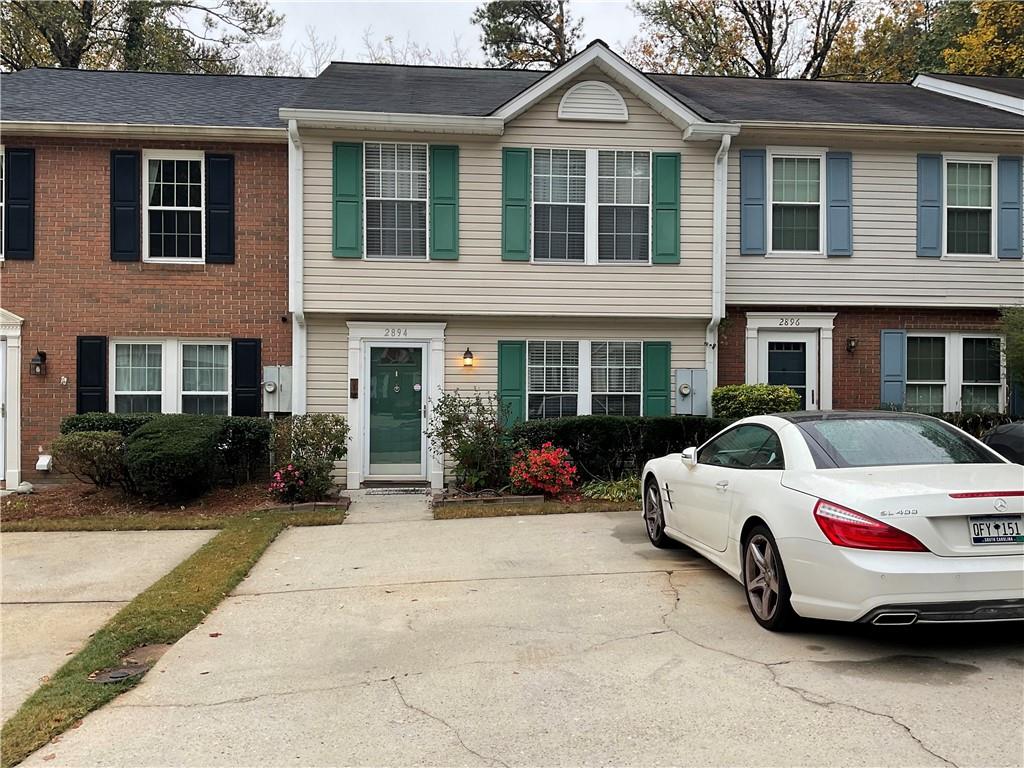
(220,209)
(246,377)
(20,204)
(92,374)
(125,205)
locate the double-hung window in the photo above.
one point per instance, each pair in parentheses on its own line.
(796,189)
(559,210)
(954,372)
(138,377)
(616,377)
(204,378)
(396,200)
(624,205)
(969,203)
(170,376)
(552,376)
(174,192)
(3,196)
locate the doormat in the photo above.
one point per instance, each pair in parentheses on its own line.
(397,491)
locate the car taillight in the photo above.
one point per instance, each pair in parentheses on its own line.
(846,528)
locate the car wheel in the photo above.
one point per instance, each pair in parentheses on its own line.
(765,582)
(654,518)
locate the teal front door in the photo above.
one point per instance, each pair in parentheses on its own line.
(396,411)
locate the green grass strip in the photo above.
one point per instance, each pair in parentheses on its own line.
(165,612)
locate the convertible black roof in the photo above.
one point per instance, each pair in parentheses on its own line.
(802,417)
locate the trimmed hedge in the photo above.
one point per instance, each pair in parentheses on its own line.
(125,423)
(173,458)
(613,447)
(92,457)
(738,401)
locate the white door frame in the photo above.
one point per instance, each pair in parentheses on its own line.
(368,347)
(818,326)
(10,332)
(812,398)
(363,335)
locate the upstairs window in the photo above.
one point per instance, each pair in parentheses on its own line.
(396,200)
(559,210)
(969,202)
(796,191)
(174,195)
(624,206)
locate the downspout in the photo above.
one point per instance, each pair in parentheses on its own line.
(295,211)
(717,265)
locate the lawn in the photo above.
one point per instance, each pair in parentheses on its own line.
(165,612)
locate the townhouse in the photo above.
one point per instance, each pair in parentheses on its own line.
(145,248)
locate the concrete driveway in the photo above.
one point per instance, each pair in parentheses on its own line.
(563,640)
(59,588)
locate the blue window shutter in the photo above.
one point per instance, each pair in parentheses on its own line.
(753,203)
(220,209)
(512,380)
(839,191)
(125,205)
(20,204)
(1008,204)
(929,206)
(894,369)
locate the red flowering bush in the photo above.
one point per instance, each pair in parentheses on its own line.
(547,469)
(289,484)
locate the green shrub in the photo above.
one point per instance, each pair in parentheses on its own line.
(975,424)
(243,449)
(469,431)
(175,457)
(626,489)
(122,423)
(92,457)
(737,401)
(314,442)
(613,447)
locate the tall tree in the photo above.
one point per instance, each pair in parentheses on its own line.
(996,44)
(760,38)
(523,34)
(175,35)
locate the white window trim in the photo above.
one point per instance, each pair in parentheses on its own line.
(426,204)
(953,385)
(799,152)
(591,207)
(173,154)
(171,375)
(993,223)
(584,390)
(3,200)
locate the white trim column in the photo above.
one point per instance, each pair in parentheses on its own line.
(820,322)
(10,331)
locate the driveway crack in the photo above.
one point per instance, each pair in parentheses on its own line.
(772,667)
(486,758)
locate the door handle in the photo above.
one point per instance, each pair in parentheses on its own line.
(722,485)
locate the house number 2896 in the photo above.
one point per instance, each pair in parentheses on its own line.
(393,333)
(788,322)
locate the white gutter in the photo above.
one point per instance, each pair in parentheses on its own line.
(718,225)
(295,267)
(133,130)
(973,93)
(395,121)
(798,126)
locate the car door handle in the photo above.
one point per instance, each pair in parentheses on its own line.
(722,485)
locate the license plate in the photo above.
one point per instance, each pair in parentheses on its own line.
(996,529)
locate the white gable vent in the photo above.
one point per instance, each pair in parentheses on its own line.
(593,100)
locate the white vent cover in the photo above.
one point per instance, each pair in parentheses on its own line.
(593,100)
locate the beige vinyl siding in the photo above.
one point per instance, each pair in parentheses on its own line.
(328,350)
(884,268)
(479,283)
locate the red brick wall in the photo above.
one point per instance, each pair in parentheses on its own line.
(855,375)
(72,288)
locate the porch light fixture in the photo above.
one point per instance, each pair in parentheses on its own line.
(467,358)
(37,365)
(851,344)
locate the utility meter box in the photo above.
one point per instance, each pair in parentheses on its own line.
(277,389)
(691,385)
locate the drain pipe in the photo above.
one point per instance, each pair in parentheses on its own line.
(295,212)
(717,264)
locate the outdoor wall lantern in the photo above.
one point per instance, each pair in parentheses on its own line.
(37,365)
(467,358)
(851,344)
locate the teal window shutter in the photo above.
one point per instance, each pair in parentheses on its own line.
(657,378)
(894,369)
(839,193)
(929,206)
(512,380)
(1008,197)
(347,242)
(515,204)
(444,203)
(753,203)
(665,168)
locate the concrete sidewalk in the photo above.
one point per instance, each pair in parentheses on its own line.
(59,588)
(561,640)
(388,505)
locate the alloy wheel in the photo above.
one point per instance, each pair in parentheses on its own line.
(652,513)
(761,574)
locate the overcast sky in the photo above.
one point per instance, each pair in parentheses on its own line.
(431,24)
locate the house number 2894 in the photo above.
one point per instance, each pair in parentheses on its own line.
(394,333)
(788,322)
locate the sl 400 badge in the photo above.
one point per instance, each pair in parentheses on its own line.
(899,512)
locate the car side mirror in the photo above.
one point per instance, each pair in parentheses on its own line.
(689,458)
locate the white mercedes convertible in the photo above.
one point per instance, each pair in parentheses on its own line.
(876,517)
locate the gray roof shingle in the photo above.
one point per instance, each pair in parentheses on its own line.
(146,98)
(1008,86)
